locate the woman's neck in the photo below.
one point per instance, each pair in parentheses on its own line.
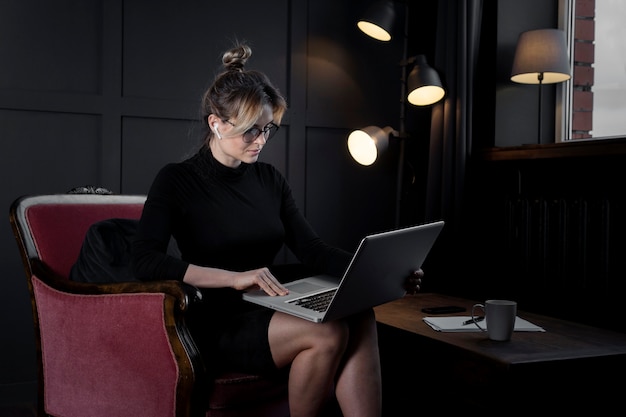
(220,156)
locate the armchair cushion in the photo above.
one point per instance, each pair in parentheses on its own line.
(228,387)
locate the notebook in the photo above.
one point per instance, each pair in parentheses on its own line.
(376,275)
(457,324)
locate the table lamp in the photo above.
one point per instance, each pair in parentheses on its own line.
(541,57)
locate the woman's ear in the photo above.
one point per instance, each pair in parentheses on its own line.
(212,121)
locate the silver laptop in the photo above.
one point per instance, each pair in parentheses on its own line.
(376,275)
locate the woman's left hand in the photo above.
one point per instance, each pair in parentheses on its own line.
(413,282)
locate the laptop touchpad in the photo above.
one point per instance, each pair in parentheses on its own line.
(303,287)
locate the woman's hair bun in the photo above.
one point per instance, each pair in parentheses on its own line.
(236,58)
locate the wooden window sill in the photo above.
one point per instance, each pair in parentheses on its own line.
(569,149)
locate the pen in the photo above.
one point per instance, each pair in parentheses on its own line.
(470,321)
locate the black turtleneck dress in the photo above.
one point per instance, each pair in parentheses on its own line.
(231,218)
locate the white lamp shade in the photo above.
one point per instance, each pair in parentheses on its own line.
(366,144)
(542,51)
(426,95)
(424,84)
(374,31)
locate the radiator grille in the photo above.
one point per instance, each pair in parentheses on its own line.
(566,257)
(564,241)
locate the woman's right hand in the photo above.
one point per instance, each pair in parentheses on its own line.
(259,278)
(207,277)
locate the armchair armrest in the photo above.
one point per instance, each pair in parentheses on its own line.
(119,339)
(185,294)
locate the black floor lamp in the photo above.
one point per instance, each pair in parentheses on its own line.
(423,85)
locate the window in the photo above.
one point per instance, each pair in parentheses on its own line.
(594,100)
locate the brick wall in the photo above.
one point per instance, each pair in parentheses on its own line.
(583,73)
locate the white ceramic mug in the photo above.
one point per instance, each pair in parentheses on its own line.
(499,319)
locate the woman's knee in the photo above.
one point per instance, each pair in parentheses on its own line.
(288,336)
(331,337)
(338,332)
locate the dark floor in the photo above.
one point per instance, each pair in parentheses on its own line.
(20,410)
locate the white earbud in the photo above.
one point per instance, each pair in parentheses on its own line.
(217,132)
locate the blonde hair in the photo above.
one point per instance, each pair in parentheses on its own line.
(240,94)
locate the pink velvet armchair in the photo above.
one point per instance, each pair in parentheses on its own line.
(118,349)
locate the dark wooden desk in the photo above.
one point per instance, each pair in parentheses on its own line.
(569,366)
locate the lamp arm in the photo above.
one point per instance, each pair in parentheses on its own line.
(404,64)
(403,105)
(540,78)
(399,181)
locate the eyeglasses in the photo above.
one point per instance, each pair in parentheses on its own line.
(251,134)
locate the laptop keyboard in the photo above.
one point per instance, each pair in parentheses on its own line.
(318,302)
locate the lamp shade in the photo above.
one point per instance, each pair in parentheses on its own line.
(423,84)
(366,144)
(541,56)
(378,20)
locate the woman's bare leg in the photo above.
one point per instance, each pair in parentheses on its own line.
(314,352)
(358,385)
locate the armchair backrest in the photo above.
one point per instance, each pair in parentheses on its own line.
(52,227)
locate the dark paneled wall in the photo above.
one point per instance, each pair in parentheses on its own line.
(105,92)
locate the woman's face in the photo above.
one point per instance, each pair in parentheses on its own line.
(231,150)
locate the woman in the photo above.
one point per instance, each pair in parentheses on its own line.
(230,216)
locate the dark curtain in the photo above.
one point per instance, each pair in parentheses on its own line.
(456,58)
